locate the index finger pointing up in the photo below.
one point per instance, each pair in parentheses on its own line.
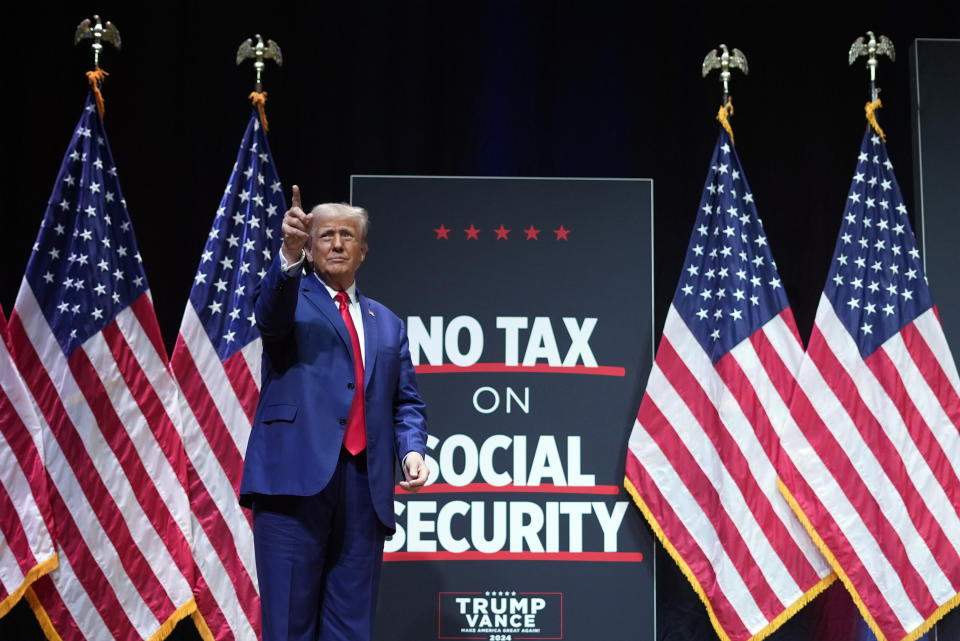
(295,198)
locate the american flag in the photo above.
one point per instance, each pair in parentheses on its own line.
(26,522)
(86,340)
(872,458)
(217,364)
(700,456)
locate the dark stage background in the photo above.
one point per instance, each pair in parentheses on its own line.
(463,88)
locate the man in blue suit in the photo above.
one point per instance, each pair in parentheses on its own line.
(339,407)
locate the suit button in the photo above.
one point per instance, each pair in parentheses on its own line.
(343,421)
(350,385)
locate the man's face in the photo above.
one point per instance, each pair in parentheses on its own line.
(336,251)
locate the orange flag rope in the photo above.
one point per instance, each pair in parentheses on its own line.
(723,116)
(96,77)
(259,98)
(871,108)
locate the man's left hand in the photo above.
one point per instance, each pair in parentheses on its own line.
(415,472)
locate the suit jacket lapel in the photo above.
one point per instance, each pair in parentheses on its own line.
(318,296)
(370,338)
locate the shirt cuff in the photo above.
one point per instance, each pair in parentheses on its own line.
(291,268)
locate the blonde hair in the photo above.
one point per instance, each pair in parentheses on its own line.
(326,211)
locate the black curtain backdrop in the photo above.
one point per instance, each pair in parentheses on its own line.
(513,88)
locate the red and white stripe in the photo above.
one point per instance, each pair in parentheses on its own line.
(701,459)
(222,398)
(117,475)
(873,462)
(26,540)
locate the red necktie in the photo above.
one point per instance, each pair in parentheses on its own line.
(355,435)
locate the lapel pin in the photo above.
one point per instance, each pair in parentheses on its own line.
(370,311)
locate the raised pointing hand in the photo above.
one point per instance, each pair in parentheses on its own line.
(295,228)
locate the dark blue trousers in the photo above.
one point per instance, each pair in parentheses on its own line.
(319,559)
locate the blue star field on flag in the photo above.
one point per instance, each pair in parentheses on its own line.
(85,267)
(243,240)
(876,281)
(729,286)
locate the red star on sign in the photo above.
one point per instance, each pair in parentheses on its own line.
(532,233)
(562,233)
(442,232)
(472,232)
(502,233)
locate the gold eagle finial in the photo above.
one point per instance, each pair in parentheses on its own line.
(872,48)
(259,52)
(725,61)
(106,32)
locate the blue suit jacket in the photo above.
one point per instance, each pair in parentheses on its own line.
(307,388)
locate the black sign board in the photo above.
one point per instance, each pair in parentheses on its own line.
(529,311)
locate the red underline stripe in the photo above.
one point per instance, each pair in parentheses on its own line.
(546,488)
(473,555)
(447,368)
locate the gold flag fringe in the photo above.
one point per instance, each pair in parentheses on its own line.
(848,584)
(96,77)
(724,117)
(259,99)
(201,625)
(162,633)
(772,626)
(180,613)
(42,617)
(35,573)
(871,108)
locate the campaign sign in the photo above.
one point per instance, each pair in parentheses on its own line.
(501,613)
(529,313)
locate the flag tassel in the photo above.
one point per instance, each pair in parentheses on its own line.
(726,110)
(871,108)
(259,99)
(96,77)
